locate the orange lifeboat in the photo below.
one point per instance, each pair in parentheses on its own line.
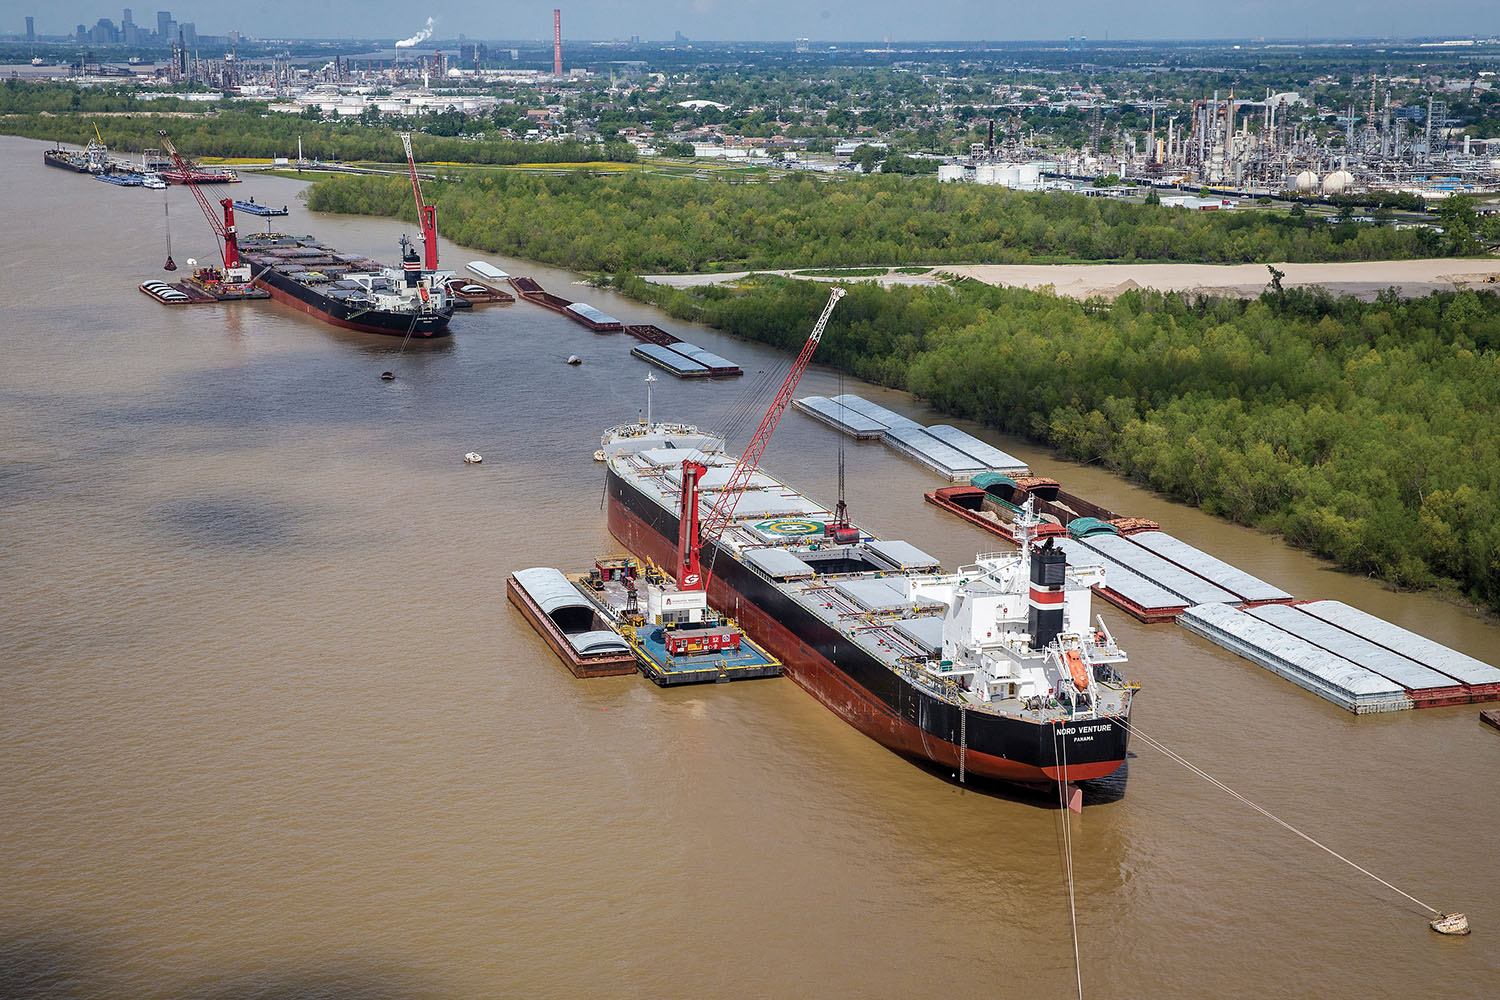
(1077,668)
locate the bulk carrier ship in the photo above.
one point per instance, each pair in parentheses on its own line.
(992,670)
(350,290)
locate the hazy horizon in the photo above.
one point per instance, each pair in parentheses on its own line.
(849,21)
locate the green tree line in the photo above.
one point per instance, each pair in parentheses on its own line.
(263,135)
(653,223)
(1368,433)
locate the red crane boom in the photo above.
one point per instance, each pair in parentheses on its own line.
(223,230)
(723,510)
(426,214)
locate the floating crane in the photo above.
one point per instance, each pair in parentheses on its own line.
(426,214)
(234,273)
(691,535)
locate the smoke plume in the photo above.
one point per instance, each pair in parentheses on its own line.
(419,37)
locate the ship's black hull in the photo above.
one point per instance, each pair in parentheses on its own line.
(64,163)
(299,296)
(863,690)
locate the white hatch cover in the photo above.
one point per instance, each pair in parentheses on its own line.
(902,555)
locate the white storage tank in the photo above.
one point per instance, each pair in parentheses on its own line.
(1338,182)
(1306,182)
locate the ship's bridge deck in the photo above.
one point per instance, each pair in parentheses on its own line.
(881,594)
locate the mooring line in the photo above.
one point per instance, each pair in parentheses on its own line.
(1062,801)
(1268,814)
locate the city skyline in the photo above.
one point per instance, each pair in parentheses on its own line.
(872,21)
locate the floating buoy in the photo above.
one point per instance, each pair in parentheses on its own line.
(473,458)
(1450,923)
(574,359)
(599,455)
(387,376)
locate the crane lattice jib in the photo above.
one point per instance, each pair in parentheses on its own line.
(416,185)
(187,179)
(723,510)
(426,214)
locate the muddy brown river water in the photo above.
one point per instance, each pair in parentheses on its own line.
(268,726)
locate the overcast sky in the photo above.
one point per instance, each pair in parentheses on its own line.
(780,20)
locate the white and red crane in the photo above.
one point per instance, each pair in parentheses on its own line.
(426,214)
(693,535)
(229,244)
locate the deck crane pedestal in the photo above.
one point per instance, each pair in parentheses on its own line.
(235,274)
(691,535)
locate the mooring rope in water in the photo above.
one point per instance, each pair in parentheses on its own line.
(416,315)
(1267,813)
(1062,801)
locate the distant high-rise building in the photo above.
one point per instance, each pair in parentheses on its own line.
(81,35)
(679,37)
(190,34)
(164,26)
(556,42)
(31,29)
(127,20)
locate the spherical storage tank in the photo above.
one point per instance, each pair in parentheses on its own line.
(1338,182)
(1306,182)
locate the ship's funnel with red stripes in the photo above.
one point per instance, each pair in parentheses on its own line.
(1044,613)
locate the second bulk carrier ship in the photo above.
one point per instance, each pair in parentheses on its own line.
(993,670)
(350,290)
(347,290)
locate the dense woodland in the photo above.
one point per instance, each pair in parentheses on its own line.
(651,223)
(233,133)
(1366,432)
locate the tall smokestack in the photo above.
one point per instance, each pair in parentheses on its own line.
(556,42)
